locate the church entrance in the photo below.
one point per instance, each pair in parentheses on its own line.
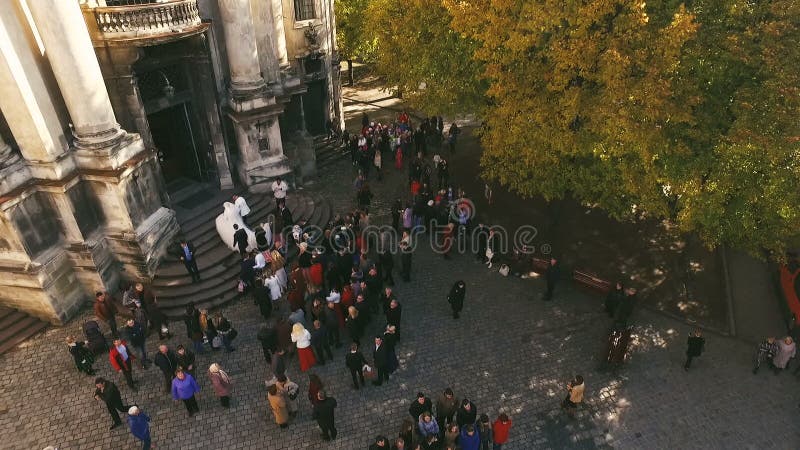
(176,141)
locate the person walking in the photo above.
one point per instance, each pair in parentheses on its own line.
(446,406)
(500,430)
(193,329)
(456,297)
(139,424)
(167,361)
(226,331)
(321,342)
(785,351)
(614,299)
(106,311)
(695,345)
(466,414)
(355,362)
(302,338)
(188,259)
(222,383)
(552,275)
(278,364)
(84,358)
(121,358)
(380,358)
(484,428)
(419,406)
(184,388)
(354,324)
(469,439)
(185,360)
(240,239)
(268,337)
(241,207)
(134,332)
(277,401)
(292,391)
(766,350)
(315,385)
(108,392)
(323,414)
(427,425)
(575,389)
(279,190)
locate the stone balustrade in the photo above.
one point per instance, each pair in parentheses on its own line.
(144,24)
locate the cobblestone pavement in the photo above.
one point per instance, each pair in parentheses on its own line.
(509,352)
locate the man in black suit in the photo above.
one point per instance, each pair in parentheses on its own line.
(186,253)
(380,358)
(240,239)
(109,393)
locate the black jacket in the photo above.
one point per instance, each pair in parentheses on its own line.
(240,239)
(456,297)
(695,345)
(323,411)
(166,362)
(110,394)
(464,417)
(393,315)
(186,360)
(418,408)
(553,273)
(268,338)
(381,356)
(355,361)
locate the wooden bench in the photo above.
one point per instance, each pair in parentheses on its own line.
(591,281)
(539,265)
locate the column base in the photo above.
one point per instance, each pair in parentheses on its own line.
(258,179)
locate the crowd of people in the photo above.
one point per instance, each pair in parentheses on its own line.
(326,297)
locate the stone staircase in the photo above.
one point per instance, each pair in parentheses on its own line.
(329,151)
(17,326)
(219,266)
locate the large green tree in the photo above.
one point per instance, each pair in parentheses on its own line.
(423,57)
(679,110)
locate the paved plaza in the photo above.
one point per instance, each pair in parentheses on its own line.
(509,352)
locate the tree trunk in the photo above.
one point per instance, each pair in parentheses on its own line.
(350,81)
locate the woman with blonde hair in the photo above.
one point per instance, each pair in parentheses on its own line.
(354,325)
(221,382)
(302,338)
(84,358)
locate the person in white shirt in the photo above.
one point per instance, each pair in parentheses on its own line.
(302,338)
(279,189)
(334,296)
(241,207)
(261,261)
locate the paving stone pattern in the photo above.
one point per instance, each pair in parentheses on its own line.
(509,352)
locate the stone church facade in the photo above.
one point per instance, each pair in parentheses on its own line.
(106,103)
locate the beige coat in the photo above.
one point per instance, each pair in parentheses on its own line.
(278,404)
(576,393)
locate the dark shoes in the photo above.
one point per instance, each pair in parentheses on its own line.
(115,425)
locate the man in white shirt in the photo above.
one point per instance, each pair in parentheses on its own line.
(279,189)
(241,207)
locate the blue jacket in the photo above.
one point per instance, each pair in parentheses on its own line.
(428,428)
(184,389)
(140,426)
(468,442)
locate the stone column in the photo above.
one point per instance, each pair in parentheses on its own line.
(240,41)
(7,155)
(63,31)
(263,19)
(30,108)
(280,36)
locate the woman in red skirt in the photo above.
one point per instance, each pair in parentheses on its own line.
(302,338)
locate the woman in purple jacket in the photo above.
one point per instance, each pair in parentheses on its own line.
(183,388)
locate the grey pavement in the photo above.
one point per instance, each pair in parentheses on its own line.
(508,352)
(754,297)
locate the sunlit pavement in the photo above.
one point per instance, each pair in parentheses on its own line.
(509,352)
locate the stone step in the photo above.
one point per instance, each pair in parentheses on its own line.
(16,327)
(220,268)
